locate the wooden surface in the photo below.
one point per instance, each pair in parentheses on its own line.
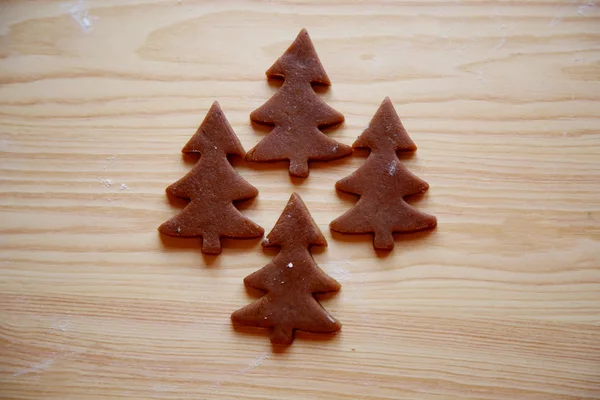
(502,301)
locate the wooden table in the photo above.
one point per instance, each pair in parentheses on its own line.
(502,301)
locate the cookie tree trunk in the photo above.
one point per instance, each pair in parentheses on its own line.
(290,280)
(211,186)
(382,183)
(297,112)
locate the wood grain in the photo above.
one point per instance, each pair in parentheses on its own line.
(502,301)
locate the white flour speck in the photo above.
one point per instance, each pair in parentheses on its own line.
(86,22)
(290,265)
(584,8)
(559,16)
(260,359)
(81,15)
(178,229)
(254,363)
(480,76)
(106,182)
(124,187)
(392,168)
(500,43)
(62,324)
(39,367)
(339,272)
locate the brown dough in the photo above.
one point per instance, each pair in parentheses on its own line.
(290,280)
(297,113)
(382,182)
(212,185)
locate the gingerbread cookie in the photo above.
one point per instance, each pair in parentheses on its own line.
(381,183)
(290,280)
(211,186)
(297,113)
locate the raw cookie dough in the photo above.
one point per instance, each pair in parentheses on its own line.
(212,185)
(297,113)
(382,182)
(290,280)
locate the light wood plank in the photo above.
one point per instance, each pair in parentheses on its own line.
(502,301)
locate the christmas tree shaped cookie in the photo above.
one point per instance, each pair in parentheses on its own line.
(290,280)
(382,183)
(211,186)
(297,113)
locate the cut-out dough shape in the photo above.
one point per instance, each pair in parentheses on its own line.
(382,183)
(211,186)
(290,280)
(297,113)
